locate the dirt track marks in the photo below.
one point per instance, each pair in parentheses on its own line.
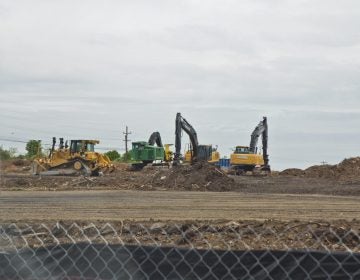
(118,205)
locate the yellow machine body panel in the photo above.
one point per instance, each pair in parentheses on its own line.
(215,156)
(188,156)
(242,156)
(168,153)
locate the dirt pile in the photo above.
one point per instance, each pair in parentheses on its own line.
(292,172)
(15,165)
(200,176)
(346,171)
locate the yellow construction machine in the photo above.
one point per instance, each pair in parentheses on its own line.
(247,158)
(168,153)
(214,158)
(195,152)
(77,158)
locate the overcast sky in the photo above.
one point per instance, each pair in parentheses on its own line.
(86,69)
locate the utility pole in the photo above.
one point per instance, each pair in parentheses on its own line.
(126,140)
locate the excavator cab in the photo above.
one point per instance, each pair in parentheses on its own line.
(242,150)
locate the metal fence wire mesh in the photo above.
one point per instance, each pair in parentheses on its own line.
(180,250)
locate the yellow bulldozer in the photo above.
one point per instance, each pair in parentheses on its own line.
(77,158)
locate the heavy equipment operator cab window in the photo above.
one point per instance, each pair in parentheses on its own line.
(90,147)
(73,147)
(76,146)
(242,150)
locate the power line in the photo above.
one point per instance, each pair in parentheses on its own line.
(12,140)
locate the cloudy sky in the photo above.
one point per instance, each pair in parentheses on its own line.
(86,69)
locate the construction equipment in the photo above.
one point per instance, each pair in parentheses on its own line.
(215,155)
(195,152)
(144,153)
(204,149)
(247,158)
(78,158)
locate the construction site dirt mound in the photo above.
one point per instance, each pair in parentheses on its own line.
(200,176)
(293,172)
(340,179)
(15,165)
(346,171)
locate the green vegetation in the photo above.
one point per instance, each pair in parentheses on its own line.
(113,155)
(4,154)
(125,157)
(33,148)
(9,154)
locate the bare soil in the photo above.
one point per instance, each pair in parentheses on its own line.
(198,205)
(174,205)
(341,179)
(226,235)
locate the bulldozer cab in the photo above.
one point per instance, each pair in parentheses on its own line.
(82,146)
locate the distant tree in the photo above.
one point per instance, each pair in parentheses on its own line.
(8,154)
(113,155)
(33,148)
(4,154)
(13,152)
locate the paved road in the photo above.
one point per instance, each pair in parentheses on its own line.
(118,205)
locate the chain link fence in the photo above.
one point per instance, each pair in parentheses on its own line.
(180,250)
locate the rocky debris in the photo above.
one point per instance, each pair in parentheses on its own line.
(157,227)
(200,176)
(320,235)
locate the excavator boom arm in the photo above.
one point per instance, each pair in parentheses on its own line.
(183,124)
(155,138)
(260,130)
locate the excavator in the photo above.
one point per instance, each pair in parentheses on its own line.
(144,153)
(247,158)
(196,152)
(79,158)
